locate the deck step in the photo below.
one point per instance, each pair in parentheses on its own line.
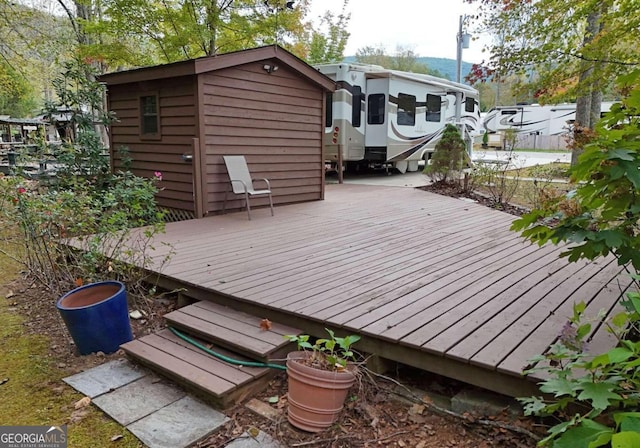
(237,331)
(218,382)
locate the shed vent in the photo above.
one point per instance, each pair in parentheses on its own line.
(175,215)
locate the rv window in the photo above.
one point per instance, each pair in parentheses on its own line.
(508,112)
(149,116)
(328,112)
(356,106)
(375,109)
(469,105)
(406,109)
(434,108)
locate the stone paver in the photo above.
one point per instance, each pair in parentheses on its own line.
(159,413)
(179,424)
(261,440)
(105,377)
(138,399)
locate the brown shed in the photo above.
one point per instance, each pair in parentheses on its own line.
(180,119)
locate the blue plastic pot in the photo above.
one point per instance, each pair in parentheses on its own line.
(97,316)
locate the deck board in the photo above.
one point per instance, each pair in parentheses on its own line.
(364,276)
(428,280)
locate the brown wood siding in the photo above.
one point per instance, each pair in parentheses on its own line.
(178,127)
(274,120)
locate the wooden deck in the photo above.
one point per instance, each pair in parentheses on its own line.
(430,281)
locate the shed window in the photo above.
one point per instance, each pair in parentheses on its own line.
(434,108)
(469,105)
(375,108)
(149,116)
(356,106)
(406,109)
(328,111)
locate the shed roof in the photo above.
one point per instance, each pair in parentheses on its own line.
(217,62)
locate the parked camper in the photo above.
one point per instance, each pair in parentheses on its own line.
(391,118)
(534,118)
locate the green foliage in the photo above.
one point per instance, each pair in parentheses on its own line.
(80,98)
(138,31)
(594,396)
(55,221)
(448,157)
(16,94)
(556,37)
(328,46)
(404,59)
(601,215)
(77,228)
(33,43)
(332,353)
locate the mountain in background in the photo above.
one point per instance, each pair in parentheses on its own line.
(444,66)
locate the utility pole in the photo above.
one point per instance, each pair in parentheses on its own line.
(462,41)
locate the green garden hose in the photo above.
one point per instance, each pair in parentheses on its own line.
(222,357)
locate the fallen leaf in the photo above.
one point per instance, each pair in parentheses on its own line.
(79,282)
(253,432)
(265,324)
(10,294)
(416,409)
(274,399)
(421,444)
(81,403)
(135,314)
(116,437)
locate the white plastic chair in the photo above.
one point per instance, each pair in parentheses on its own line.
(242,183)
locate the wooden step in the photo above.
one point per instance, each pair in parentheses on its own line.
(235,330)
(218,382)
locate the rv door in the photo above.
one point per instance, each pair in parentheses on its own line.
(375,140)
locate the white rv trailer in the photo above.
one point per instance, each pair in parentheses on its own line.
(534,118)
(391,118)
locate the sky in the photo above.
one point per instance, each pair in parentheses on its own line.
(428,27)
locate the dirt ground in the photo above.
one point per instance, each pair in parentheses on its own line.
(373,416)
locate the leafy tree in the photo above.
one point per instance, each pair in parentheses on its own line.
(329,46)
(16,94)
(602,215)
(596,395)
(32,42)
(174,30)
(563,49)
(404,59)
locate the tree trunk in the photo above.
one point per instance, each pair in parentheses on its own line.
(587,86)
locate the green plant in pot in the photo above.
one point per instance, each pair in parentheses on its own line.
(320,375)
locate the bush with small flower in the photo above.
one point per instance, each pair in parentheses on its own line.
(86,207)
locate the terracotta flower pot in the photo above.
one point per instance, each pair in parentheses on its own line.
(316,396)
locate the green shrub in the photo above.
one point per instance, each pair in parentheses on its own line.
(78,229)
(447,160)
(596,396)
